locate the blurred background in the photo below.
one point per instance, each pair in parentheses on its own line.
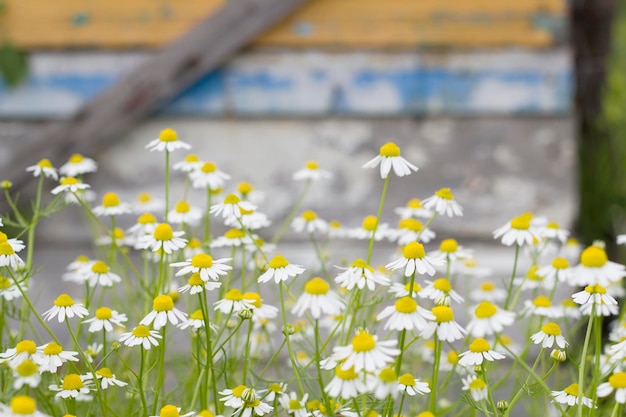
(516,106)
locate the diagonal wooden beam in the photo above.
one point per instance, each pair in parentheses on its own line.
(157,80)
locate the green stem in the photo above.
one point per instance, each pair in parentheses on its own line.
(320,380)
(583,361)
(167,183)
(161,376)
(142,394)
(435,376)
(510,288)
(207,220)
(292,357)
(370,246)
(292,213)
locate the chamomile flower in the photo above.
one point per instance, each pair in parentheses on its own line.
(443,203)
(318,299)
(184,213)
(21,406)
(309,222)
(479,351)
(51,356)
(383,384)
(107,379)
(595,298)
(553,231)
(488,319)
(279,269)
(569,396)
(370,227)
(245,401)
(412,386)
(410,230)
(44,167)
(276,391)
(346,384)
(365,352)
(260,310)
(541,306)
(146,203)
(195,321)
(487,291)
(167,141)
(26,373)
(404,290)
(444,327)
(16,244)
(8,257)
(105,318)
(208,176)
(78,165)
(170,410)
(163,238)
(360,275)
(413,208)
(64,306)
(595,268)
(232,238)
(549,334)
(405,314)
(8,290)
(163,311)
(195,284)
(617,383)
(232,396)
(190,163)
(76,271)
(112,206)
(519,231)
(441,292)
(232,206)
(532,280)
(414,259)
(250,219)
(336,230)
(74,386)
(558,269)
(141,335)
(294,406)
(312,172)
(233,302)
(476,387)
(25,349)
(100,275)
(205,265)
(388,158)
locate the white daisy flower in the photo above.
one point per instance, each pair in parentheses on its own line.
(233,302)
(8,257)
(167,141)
(444,327)
(366,352)
(64,306)
(595,268)
(280,270)
(190,163)
(370,227)
(336,230)
(74,386)
(309,222)
(413,208)
(519,231)
(16,244)
(260,311)
(541,306)
(69,185)
(44,167)
(532,280)
(383,384)
(617,383)
(250,219)
(388,158)
(208,176)
(99,274)
(119,236)
(318,299)
(107,379)
(232,396)
(146,203)
(78,165)
(25,349)
(195,284)
(443,203)
(205,265)
(414,259)
(247,192)
(26,373)
(185,213)
(594,294)
(412,386)
(557,270)
(141,335)
(405,314)
(312,172)
(195,321)
(163,238)
(549,335)
(450,249)
(479,351)
(163,311)
(359,274)
(553,231)
(232,238)
(404,290)
(487,291)
(76,271)
(245,401)
(476,387)
(111,206)
(105,318)
(294,406)
(8,290)
(410,230)
(232,206)
(21,406)
(488,319)
(170,410)
(276,391)
(51,356)
(569,396)
(345,384)
(441,292)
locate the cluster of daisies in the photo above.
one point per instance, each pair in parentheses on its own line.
(345,339)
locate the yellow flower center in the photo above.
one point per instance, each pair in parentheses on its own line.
(52,349)
(245,212)
(346,375)
(389,149)
(244,188)
(363,342)
(234,234)
(442,284)
(413,225)
(202,260)
(26,346)
(163,231)
(316,286)
(479,345)
(105,373)
(407,379)
(3,237)
(542,301)
(195,279)
(312,165)
(192,158)
(197,315)
(100,268)
(520,223)
(206,413)
(387,375)
(234,295)
(309,215)
(209,167)
(163,303)
(141,331)
(568,302)
(414,203)
(445,194)
(146,218)
(231,199)
(76,158)
(477,384)
(238,390)
(64,300)
(551,329)
(110,200)
(5,283)
(560,263)
(23,405)
(104,313)
(413,250)
(593,257)
(369,223)
(552,225)
(27,368)
(416,287)
(275,387)
(169,411)
(118,233)
(572,390)
(406,305)
(453,357)
(448,246)
(532,274)
(618,380)
(182,207)
(294,404)
(361,264)
(442,314)
(144,197)
(6,249)
(335,224)
(68,181)
(44,163)
(254,298)
(487,286)
(168,135)
(194,243)
(425,414)
(72,382)
(278,262)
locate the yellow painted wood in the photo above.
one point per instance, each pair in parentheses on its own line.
(338,23)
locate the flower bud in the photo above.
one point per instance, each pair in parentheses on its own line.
(6,184)
(558,355)
(288,330)
(245,314)
(502,405)
(249,396)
